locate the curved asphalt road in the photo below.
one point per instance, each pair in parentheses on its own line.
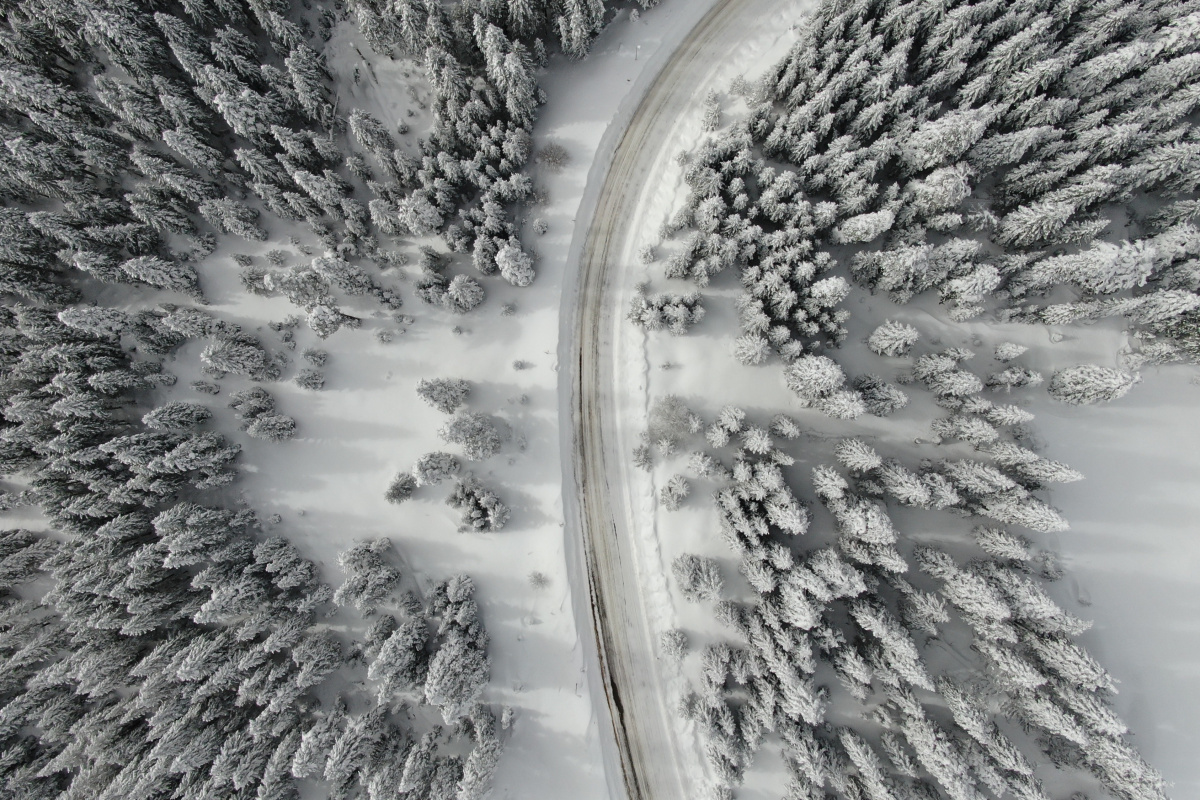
(641,715)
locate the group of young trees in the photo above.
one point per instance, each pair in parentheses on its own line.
(481,57)
(673,312)
(480,438)
(870,605)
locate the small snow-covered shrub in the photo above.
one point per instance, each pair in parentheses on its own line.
(325,319)
(880,397)
(699,578)
(893,339)
(864,227)
(673,494)
(1089,383)
(1002,544)
(238,354)
(669,422)
(433,468)
(444,394)
(1014,378)
(813,377)
(401,488)
(272,427)
(515,264)
(476,433)
(1007,351)
(817,382)
(252,403)
(751,349)
(315,357)
(857,456)
(673,312)
(554,155)
(481,507)
(674,645)
(311,379)
(785,426)
(369,578)
(463,294)
(642,457)
(176,415)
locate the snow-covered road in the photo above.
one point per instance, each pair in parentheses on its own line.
(653,761)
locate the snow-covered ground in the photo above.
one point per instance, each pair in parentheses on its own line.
(1132,555)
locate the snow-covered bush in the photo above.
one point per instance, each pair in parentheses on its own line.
(817,382)
(1007,351)
(463,294)
(176,415)
(553,155)
(1089,383)
(311,379)
(880,397)
(476,433)
(433,468)
(674,645)
(401,488)
(893,339)
(673,494)
(444,394)
(699,578)
(673,312)
(515,264)
(864,227)
(370,580)
(272,427)
(481,508)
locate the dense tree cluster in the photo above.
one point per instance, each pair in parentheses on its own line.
(481,58)
(979,150)
(870,604)
(178,650)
